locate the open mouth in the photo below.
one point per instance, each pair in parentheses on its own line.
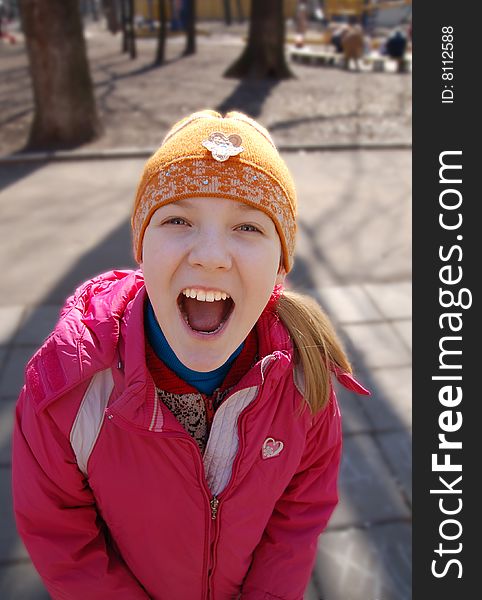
(205,312)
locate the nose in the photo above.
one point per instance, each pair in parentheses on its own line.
(210,251)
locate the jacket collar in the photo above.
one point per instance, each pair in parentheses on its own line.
(93,332)
(138,403)
(272,336)
(85,337)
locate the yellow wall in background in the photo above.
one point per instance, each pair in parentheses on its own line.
(343,7)
(356,7)
(210,9)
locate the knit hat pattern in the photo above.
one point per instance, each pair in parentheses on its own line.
(187,166)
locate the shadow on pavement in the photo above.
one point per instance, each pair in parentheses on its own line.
(16,172)
(248,97)
(113,253)
(300,276)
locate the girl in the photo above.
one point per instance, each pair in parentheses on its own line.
(178,437)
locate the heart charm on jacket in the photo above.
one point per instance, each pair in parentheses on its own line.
(271,448)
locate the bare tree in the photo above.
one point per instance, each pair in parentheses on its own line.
(128,29)
(94,10)
(161,34)
(239,9)
(263,55)
(190,27)
(65,113)
(131,32)
(110,12)
(123,19)
(227,12)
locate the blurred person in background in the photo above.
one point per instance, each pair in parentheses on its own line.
(395,47)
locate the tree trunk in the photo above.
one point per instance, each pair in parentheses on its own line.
(150,11)
(110,12)
(190,27)
(161,37)
(65,112)
(93,10)
(263,56)
(227,12)
(131,32)
(125,34)
(239,9)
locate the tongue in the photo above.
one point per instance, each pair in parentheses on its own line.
(204,316)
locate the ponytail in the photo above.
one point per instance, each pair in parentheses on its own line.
(317,348)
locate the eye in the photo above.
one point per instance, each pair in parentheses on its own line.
(247,227)
(175,221)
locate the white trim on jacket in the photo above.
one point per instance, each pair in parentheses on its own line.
(89,419)
(223,441)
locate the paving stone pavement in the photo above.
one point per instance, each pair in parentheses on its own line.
(137,103)
(62,223)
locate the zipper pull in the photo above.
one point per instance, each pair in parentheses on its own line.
(214,507)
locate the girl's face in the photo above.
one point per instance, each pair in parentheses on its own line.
(203,249)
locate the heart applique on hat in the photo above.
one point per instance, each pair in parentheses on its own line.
(271,448)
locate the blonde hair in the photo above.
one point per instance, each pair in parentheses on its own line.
(317,349)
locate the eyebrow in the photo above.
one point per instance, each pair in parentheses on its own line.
(187,203)
(245,206)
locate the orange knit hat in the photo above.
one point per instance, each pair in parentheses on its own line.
(232,157)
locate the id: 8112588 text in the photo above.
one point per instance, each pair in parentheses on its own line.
(448,74)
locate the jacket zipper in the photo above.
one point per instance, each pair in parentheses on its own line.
(212,545)
(214,502)
(214,507)
(211,514)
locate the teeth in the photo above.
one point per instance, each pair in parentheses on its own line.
(204,296)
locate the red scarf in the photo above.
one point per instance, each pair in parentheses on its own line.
(168,381)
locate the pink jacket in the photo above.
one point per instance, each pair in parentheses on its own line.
(113,498)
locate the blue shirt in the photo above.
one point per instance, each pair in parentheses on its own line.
(205,382)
